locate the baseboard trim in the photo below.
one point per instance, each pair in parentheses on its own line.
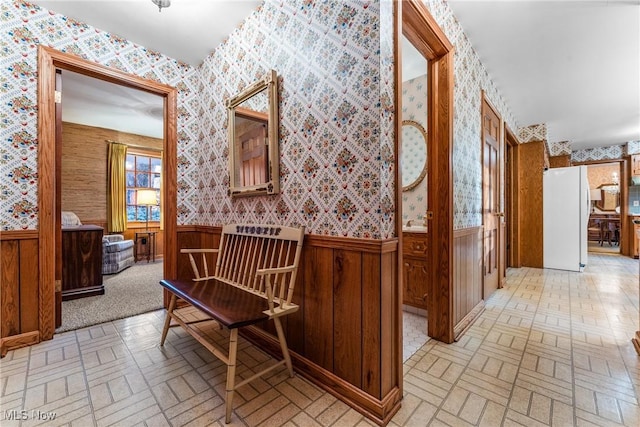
(17,341)
(378,411)
(468,320)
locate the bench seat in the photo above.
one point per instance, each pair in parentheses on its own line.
(254,280)
(231,307)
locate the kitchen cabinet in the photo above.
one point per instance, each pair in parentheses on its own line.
(634,226)
(415,269)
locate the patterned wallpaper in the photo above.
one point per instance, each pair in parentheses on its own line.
(533,133)
(470,78)
(336,134)
(633,147)
(23,27)
(335,63)
(414,107)
(600,153)
(562,148)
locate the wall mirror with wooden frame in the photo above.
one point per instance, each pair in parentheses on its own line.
(609,197)
(414,154)
(253,139)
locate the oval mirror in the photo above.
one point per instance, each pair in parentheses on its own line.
(414,154)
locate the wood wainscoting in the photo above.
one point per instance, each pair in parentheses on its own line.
(343,336)
(467,277)
(19,296)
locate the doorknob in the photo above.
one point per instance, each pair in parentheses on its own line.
(501,214)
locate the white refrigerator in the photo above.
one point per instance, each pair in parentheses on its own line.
(565,217)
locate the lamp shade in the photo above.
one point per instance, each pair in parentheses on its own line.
(596,194)
(147,197)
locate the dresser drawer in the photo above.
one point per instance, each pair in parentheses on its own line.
(414,244)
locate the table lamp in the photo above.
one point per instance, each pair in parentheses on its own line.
(147,197)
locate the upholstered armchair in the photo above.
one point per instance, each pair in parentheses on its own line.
(117,253)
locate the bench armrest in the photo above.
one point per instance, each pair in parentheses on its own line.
(277,290)
(194,266)
(275,270)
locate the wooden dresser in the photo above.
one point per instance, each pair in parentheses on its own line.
(414,269)
(81,262)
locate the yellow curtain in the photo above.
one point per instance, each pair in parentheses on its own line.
(117,188)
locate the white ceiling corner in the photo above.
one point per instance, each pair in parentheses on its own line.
(574,65)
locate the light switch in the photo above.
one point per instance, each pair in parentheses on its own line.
(636,203)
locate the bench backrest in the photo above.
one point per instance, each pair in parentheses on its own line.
(249,256)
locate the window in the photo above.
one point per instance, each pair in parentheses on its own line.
(143,172)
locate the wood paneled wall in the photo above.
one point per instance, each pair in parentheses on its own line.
(342,337)
(84,168)
(84,173)
(531,163)
(130,234)
(19,296)
(562,161)
(467,277)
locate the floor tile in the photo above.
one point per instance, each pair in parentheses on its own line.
(550,348)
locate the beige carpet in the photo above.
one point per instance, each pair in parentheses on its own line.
(134,290)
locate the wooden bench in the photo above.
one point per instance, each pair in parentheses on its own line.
(254,279)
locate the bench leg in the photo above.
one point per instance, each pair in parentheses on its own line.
(167,320)
(231,372)
(283,345)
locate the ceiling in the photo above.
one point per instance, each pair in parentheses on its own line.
(188,30)
(97,103)
(573,65)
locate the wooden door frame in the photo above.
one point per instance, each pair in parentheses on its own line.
(624,244)
(512,200)
(48,60)
(422,30)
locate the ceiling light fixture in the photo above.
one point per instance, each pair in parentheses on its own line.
(161,4)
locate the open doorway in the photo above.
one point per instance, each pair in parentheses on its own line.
(604,229)
(431,251)
(414,207)
(49,274)
(96,114)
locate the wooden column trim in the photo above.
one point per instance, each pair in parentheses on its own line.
(46,191)
(440,85)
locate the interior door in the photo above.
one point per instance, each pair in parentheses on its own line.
(491,137)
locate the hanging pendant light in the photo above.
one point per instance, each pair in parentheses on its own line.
(161,4)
